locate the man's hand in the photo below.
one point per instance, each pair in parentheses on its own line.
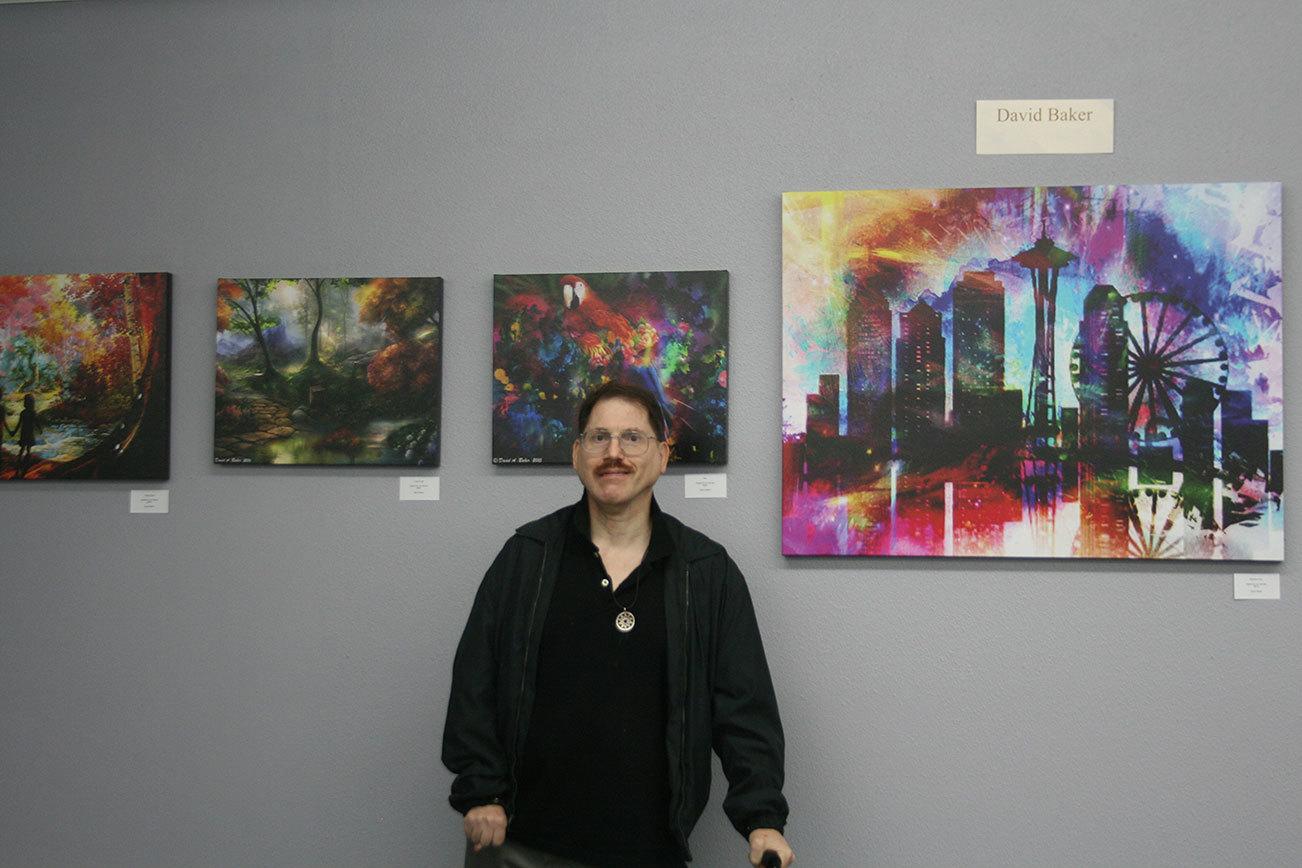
(486,826)
(770,839)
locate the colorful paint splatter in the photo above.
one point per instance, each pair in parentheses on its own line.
(1078,372)
(329,370)
(555,336)
(84,376)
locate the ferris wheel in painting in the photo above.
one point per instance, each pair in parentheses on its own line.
(1153,361)
(1174,349)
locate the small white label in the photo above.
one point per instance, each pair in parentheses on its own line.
(1044,126)
(418,488)
(705,485)
(149,500)
(1256,586)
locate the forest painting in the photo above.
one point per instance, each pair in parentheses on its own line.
(556,336)
(84,376)
(329,371)
(1073,372)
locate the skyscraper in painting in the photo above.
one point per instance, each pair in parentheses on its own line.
(1198,428)
(1245,437)
(1101,385)
(868,368)
(978,346)
(824,408)
(920,376)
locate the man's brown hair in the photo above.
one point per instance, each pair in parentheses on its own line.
(629,392)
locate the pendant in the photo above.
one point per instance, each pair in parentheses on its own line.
(624,621)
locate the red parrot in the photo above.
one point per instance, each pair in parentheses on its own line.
(601,332)
(593,326)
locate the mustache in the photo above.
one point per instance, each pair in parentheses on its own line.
(612,464)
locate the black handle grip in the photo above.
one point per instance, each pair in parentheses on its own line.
(770,859)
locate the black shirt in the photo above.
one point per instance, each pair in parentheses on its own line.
(594,775)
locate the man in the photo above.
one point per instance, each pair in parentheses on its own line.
(608,648)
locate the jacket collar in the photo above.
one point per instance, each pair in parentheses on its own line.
(661,544)
(689,544)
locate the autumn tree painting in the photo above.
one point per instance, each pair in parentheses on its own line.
(332,370)
(84,376)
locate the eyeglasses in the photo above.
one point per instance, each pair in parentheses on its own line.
(631,442)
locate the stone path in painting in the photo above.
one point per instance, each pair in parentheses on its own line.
(272,423)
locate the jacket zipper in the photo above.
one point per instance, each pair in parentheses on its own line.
(687,693)
(524,680)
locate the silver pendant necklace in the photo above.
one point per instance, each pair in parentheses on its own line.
(624,621)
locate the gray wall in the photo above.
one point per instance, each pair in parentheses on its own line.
(260,676)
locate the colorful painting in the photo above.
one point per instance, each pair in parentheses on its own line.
(1067,372)
(555,336)
(84,376)
(329,370)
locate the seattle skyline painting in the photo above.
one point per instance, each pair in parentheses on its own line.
(1049,372)
(557,336)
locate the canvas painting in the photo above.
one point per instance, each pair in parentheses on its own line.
(329,371)
(556,336)
(84,376)
(1070,372)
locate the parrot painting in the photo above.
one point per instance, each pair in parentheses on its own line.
(557,336)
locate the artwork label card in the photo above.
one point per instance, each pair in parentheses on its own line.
(705,485)
(153,501)
(418,488)
(1256,586)
(1044,126)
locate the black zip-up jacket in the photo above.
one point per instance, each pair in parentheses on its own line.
(720,692)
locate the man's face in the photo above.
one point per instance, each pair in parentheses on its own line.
(612,477)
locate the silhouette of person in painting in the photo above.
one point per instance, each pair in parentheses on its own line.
(4,427)
(28,425)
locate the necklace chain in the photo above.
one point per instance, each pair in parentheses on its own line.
(625,620)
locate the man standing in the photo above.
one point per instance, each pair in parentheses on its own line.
(609,647)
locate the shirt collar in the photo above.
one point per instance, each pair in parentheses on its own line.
(661,545)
